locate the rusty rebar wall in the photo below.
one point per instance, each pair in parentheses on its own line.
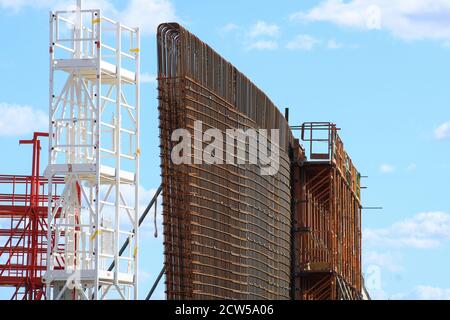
(327,222)
(227,229)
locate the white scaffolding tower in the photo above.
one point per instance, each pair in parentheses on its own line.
(94,145)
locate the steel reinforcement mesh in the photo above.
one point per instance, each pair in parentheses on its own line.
(227,228)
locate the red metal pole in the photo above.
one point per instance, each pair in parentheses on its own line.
(33,236)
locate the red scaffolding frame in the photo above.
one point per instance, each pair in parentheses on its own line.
(23,228)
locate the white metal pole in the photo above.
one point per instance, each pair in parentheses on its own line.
(78,31)
(48,288)
(118,150)
(97,134)
(137,164)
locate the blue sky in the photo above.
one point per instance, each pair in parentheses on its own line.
(379,69)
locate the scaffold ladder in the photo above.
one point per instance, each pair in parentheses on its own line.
(94,145)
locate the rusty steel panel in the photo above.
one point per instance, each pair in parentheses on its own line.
(227,228)
(328,220)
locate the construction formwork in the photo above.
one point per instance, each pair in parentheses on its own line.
(327,210)
(227,228)
(23,228)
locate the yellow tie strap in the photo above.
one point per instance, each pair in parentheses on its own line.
(96,233)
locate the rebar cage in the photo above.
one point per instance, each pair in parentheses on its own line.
(227,229)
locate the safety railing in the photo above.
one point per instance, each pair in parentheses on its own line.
(323,143)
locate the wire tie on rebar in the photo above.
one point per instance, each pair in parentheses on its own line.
(94,21)
(134,50)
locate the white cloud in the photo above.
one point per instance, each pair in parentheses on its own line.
(378,294)
(229,27)
(263,45)
(424,230)
(259,36)
(148,78)
(17,120)
(17,5)
(387,168)
(302,42)
(432,293)
(262,28)
(387,260)
(333,45)
(308,42)
(411,19)
(421,292)
(146,14)
(105,5)
(144,276)
(443,131)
